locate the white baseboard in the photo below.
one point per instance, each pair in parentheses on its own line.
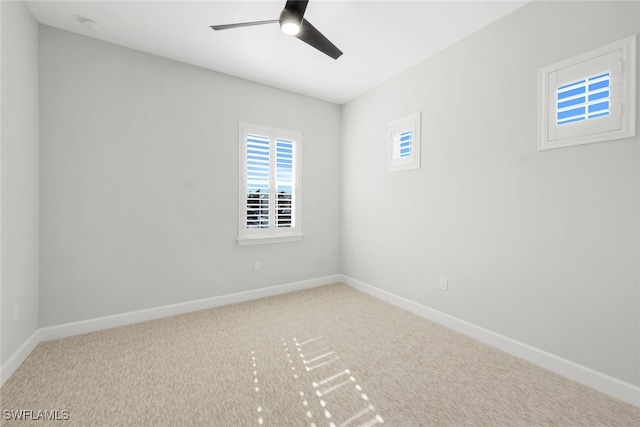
(14,362)
(107,322)
(606,384)
(589,377)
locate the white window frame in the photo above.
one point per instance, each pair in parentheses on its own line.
(617,58)
(397,128)
(272,234)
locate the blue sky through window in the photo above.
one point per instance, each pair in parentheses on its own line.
(583,99)
(257,164)
(406,143)
(284,166)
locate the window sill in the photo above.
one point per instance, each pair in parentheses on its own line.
(262,240)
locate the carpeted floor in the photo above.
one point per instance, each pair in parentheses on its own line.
(328,356)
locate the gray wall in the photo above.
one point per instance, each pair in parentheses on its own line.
(138,187)
(542,247)
(139,181)
(19,182)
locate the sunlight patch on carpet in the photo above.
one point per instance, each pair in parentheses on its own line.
(326,392)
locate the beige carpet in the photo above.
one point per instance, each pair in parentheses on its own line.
(329,356)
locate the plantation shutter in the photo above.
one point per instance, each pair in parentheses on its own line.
(404,143)
(269,208)
(257,181)
(590,97)
(285,215)
(586,97)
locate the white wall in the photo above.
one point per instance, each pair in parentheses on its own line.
(139,189)
(19,177)
(541,247)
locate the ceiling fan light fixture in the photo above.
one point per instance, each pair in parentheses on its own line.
(290,22)
(290,28)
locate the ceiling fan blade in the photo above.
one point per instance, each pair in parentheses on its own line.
(297,7)
(310,35)
(242,24)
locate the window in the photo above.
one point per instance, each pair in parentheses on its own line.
(269,185)
(585,99)
(404,143)
(590,97)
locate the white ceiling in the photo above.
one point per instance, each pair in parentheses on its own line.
(379,38)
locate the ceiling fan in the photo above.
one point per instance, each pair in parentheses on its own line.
(292,23)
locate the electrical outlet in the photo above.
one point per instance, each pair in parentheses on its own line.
(444,283)
(16,312)
(257,266)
